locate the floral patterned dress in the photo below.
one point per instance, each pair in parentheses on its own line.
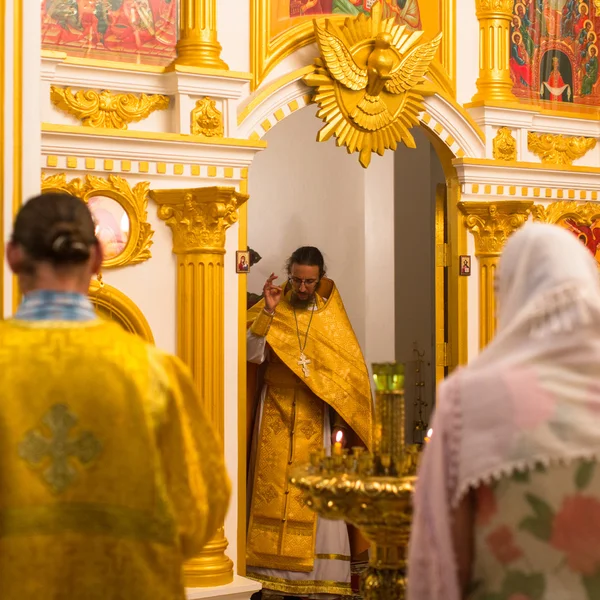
(537,535)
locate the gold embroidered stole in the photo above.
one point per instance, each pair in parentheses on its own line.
(281,531)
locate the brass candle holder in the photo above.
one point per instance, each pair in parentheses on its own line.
(372,491)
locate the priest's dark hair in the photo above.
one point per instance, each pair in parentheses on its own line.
(57,228)
(308,256)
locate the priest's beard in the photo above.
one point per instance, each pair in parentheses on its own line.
(302,303)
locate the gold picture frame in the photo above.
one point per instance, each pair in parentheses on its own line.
(134,202)
(113,305)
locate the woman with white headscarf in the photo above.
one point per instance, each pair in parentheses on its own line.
(507,505)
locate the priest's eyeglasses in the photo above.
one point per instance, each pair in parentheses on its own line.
(297,282)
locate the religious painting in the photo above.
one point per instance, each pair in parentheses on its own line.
(403,11)
(143,31)
(465,265)
(242,261)
(588,235)
(285,25)
(554,56)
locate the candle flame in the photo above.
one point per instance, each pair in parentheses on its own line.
(429,434)
(339,436)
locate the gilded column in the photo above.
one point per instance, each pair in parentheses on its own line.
(491,224)
(198,45)
(198,219)
(494,82)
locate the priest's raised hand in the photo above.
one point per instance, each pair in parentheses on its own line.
(272,293)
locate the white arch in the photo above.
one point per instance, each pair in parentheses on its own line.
(274,101)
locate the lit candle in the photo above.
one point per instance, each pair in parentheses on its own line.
(429,434)
(337,447)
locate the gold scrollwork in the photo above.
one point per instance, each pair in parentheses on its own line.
(133,200)
(583,213)
(556,149)
(207,119)
(199,217)
(105,109)
(504,145)
(492,223)
(368,80)
(114,305)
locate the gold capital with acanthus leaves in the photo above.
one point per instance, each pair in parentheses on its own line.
(491,223)
(488,8)
(199,217)
(368,81)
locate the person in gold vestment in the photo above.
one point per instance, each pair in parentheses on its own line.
(315,387)
(110,474)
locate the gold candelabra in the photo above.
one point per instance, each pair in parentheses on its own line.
(372,490)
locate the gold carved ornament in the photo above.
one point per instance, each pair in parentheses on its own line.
(134,202)
(485,8)
(504,145)
(367,80)
(105,109)
(493,223)
(556,149)
(582,213)
(113,305)
(199,218)
(207,119)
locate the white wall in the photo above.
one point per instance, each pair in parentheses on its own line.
(467,50)
(417,173)
(304,193)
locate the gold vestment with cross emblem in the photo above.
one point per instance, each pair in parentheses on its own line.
(110,473)
(281,530)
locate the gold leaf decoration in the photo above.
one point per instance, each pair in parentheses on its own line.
(367,82)
(556,149)
(199,217)
(105,109)
(504,145)
(581,218)
(492,223)
(207,119)
(133,200)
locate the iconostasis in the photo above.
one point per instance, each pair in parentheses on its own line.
(554,52)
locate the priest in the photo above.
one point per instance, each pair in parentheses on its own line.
(314,388)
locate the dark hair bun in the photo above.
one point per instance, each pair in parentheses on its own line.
(67,248)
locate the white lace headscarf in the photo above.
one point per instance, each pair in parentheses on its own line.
(536,387)
(533,395)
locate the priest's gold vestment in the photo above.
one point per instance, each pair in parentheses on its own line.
(281,529)
(110,474)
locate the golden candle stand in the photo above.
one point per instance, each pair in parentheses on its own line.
(372,491)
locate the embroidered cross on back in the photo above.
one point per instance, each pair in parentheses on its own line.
(59,453)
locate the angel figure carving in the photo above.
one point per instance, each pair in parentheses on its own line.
(366,79)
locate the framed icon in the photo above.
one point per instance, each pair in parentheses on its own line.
(242,261)
(465,265)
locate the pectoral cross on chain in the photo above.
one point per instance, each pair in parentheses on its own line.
(304,362)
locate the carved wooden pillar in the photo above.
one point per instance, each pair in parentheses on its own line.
(198,45)
(494,82)
(491,224)
(198,219)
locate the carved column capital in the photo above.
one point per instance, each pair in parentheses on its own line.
(492,8)
(491,223)
(199,217)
